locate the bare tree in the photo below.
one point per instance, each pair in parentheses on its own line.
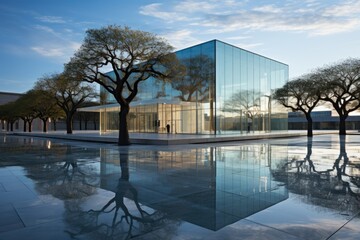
(133,56)
(301,94)
(69,94)
(340,86)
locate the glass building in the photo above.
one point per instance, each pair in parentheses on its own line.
(226,90)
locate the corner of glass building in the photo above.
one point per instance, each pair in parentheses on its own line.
(226,90)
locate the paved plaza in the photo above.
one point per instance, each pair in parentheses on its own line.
(171,139)
(283,188)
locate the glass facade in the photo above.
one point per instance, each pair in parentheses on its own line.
(226,90)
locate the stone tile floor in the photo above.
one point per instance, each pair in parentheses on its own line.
(265,189)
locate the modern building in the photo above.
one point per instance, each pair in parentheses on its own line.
(226,90)
(6,97)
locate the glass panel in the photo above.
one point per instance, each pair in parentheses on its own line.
(220,72)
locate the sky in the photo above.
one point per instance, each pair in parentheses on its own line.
(38,37)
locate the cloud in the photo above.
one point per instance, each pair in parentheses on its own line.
(48,52)
(154,11)
(214,16)
(239,37)
(44,29)
(56,43)
(51,19)
(181,39)
(59,51)
(347,10)
(268,9)
(248,45)
(194,6)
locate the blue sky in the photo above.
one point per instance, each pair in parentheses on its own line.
(39,36)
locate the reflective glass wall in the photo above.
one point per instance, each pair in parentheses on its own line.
(226,90)
(186,103)
(244,84)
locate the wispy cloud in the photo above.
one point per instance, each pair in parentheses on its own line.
(44,29)
(248,46)
(312,17)
(62,51)
(51,19)
(181,38)
(54,37)
(268,9)
(154,11)
(48,52)
(194,6)
(57,44)
(350,9)
(238,37)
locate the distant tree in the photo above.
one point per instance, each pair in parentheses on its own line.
(301,94)
(133,56)
(45,107)
(340,86)
(25,109)
(69,94)
(8,114)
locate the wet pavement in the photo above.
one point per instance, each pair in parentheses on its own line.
(290,188)
(170,139)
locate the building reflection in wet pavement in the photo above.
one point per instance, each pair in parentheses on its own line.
(303,188)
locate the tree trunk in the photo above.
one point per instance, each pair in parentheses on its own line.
(54,124)
(309,124)
(342,125)
(30,126)
(44,125)
(309,148)
(24,126)
(69,123)
(123,127)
